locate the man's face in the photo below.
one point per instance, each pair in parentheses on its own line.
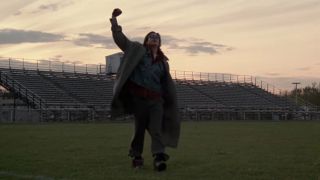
(153,40)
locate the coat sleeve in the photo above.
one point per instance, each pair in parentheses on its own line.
(119,38)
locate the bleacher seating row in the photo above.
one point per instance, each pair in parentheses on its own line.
(96,91)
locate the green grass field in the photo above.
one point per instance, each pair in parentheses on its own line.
(207,150)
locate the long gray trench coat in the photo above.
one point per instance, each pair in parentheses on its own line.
(133,53)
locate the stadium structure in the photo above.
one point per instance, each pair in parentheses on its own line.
(47,90)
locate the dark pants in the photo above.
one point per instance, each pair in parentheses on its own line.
(148,116)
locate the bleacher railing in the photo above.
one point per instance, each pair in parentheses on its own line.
(233,78)
(22,91)
(58,66)
(51,65)
(221,77)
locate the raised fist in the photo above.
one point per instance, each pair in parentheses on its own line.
(116,12)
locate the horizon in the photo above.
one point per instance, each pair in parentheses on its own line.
(273,39)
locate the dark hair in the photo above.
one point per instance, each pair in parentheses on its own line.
(147,36)
(161,55)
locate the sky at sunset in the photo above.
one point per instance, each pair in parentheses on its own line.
(275,39)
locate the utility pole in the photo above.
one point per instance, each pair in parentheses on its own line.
(296,92)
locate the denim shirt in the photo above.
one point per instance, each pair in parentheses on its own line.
(148,74)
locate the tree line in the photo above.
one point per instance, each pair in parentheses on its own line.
(310,93)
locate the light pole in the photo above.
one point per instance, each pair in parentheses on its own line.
(296,92)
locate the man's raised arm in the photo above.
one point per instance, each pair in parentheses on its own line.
(119,38)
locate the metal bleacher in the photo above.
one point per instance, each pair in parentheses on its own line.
(188,97)
(45,89)
(65,88)
(57,88)
(228,95)
(232,94)
(93,90)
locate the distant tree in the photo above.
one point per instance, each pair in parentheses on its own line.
(309,93)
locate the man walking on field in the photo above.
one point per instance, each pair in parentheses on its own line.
(144,88)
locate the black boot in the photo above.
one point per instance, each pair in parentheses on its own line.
(159,162)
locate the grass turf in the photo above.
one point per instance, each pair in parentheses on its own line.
(207,150)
